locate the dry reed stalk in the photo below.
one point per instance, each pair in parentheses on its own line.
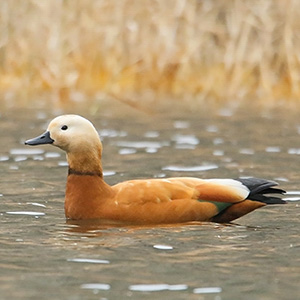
(226,49)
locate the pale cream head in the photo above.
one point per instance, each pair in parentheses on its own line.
(73,133)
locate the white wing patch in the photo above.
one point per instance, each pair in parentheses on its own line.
(239,188)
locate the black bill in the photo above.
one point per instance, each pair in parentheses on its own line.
(39,140)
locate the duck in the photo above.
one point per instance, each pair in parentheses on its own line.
(146,201)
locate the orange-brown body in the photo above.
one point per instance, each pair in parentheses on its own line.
(154,201)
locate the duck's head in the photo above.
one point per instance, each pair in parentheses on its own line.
(71,133)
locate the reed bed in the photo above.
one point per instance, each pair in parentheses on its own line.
(139,49)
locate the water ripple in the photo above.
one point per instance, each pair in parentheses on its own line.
(26,213)
(294,151)
(127,151)
(190,169)
(247,151)
(157,287)
(218,153)
(36,204)
(96,286)
(293,196)
(52,154)
(141,144)
(163,247)
(151,134)
(218,141)
(38,157)
(273,149)
(186,139)
(292,192)
(181,124)
(27,151)
(112,133)
(207,290)
(20,158)
(212,128)
(4,158)
(89,260)
(109,173)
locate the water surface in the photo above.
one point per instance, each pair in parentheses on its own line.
(257,257)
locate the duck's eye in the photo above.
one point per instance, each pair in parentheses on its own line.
(65,127)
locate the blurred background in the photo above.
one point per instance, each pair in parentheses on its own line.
(135,51)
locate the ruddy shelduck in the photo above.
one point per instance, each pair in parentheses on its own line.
(145,201)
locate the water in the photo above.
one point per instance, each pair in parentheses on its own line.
(44,257)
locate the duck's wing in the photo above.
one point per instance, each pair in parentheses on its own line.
(189,188)
(175,200)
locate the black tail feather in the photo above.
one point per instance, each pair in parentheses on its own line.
(259,187)
(273,191)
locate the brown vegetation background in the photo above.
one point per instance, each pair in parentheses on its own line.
(141,49)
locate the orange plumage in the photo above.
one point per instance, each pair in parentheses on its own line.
(149,201)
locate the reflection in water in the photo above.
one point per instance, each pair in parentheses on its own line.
(92,226)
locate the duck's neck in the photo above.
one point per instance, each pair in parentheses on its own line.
(85,163)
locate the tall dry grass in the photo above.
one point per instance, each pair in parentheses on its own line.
(74,49)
